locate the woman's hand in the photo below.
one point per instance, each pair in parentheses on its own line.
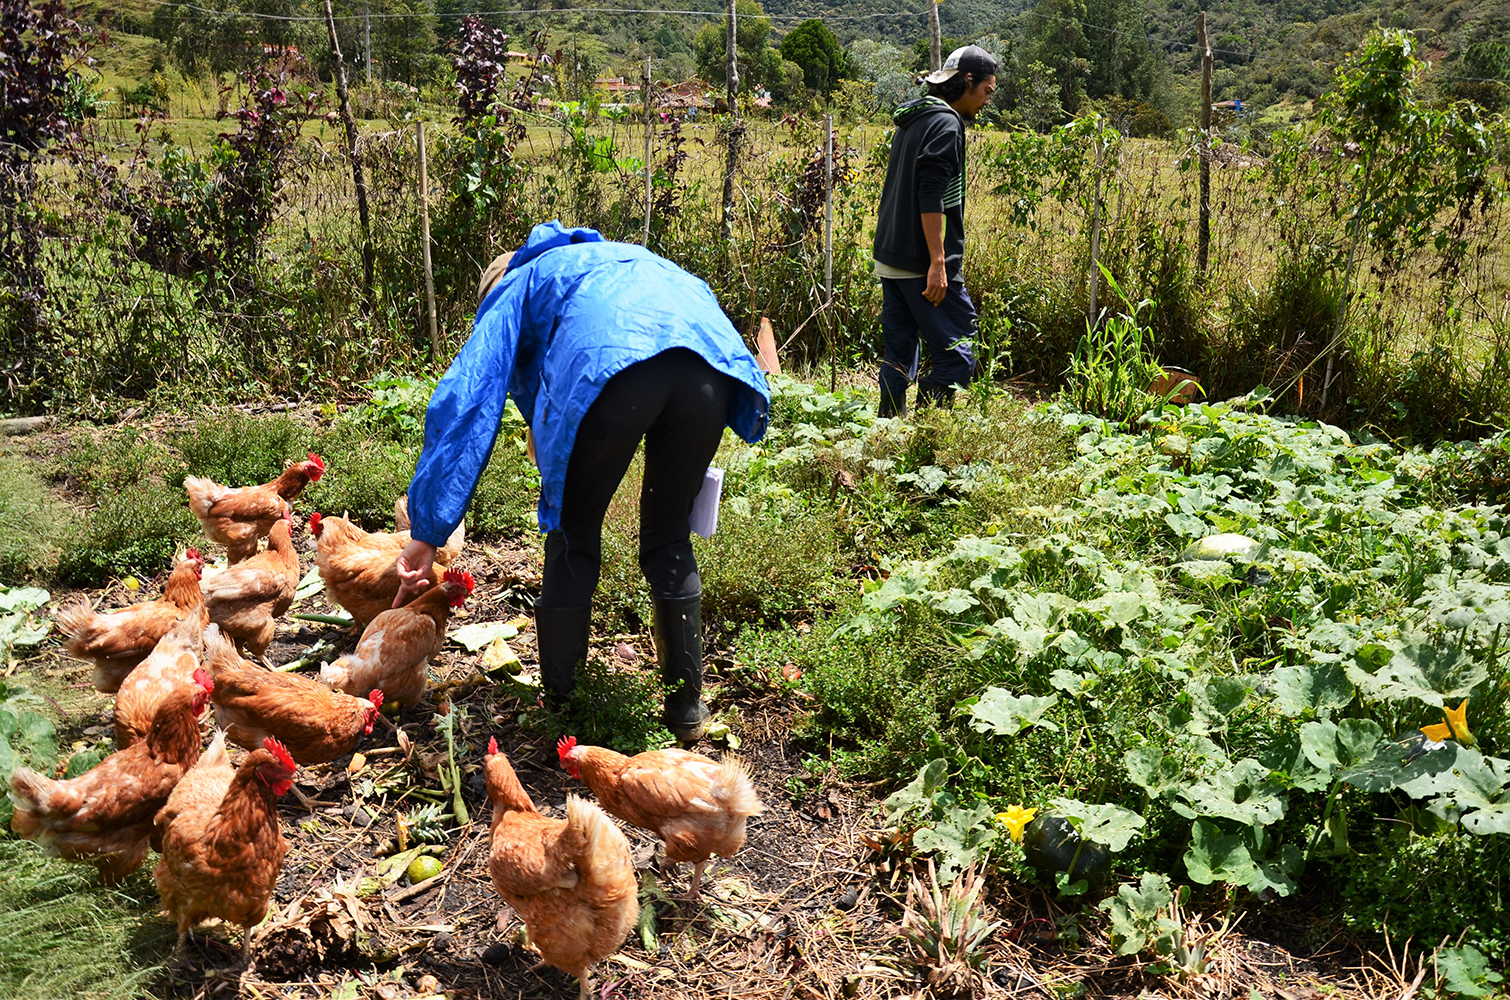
(413,565)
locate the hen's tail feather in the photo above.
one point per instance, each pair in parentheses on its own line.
(334,675)
(35,797)
(77,622)
(202,494)
(216,755)
(449,551)
(733,789)
(605,844)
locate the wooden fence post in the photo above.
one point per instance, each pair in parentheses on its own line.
(424,216)
(649,136)
(1203,244)
(1095,316)
(356,162)
(731,70)
(828,247)
(935,44)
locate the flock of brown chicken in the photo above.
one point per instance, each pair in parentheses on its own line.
(215,823)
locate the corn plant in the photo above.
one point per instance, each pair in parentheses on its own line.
(1113,365)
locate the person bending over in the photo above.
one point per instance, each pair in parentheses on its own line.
(600,344)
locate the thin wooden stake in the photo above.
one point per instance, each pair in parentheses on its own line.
(1095,317)
(828,206)
(356,162)
(424,217)
(649,135)
(828,247)
(1203,244)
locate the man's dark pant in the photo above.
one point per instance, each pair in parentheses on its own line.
(679,404)
(948,329)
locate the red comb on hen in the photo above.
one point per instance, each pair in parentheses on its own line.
(203,679)
(319,467)
(376,697)
(566,745)
(314,524)
(280,754)
(460,577)
(492,745)
(195,555)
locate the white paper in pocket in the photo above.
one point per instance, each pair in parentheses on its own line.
(704,519)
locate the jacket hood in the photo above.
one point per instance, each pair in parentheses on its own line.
(909,114)
(549,236)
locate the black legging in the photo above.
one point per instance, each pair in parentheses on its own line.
(679,404)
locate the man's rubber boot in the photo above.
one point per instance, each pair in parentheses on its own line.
(561,641)
(679,650)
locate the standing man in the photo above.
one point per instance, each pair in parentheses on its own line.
(601,345)
(920,235)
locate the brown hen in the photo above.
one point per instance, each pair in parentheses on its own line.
(698,806)
(397,646)
(104,816)
(315,723)
(237,517)
(222,845)
(247,599)
(118,640)
(170,667)
(357,566)
(571,880)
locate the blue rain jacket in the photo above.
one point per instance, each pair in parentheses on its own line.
(571,311)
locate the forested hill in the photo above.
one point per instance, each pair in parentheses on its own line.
(1134,58)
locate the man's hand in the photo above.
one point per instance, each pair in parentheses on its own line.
(938,282)
(938,277)
(413,565)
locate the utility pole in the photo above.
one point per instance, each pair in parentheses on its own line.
(731,70)
(935,43)
(1203,238)
(367,39)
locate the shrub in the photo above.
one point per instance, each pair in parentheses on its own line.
(1424,888)
(135,531)
(612,706)
(236,449)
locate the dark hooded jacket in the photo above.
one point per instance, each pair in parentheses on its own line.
(925,173)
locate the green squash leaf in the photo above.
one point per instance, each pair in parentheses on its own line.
(1102,823)
(1005,714)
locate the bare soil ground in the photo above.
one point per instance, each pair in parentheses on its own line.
(806,910)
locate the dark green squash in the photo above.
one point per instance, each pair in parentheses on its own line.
(1052,846)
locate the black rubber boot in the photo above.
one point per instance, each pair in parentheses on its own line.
(561,641)
(679,649)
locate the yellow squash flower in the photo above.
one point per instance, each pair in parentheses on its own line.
(1015,819)
(1454,728)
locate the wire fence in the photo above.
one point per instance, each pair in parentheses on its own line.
(126,318)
